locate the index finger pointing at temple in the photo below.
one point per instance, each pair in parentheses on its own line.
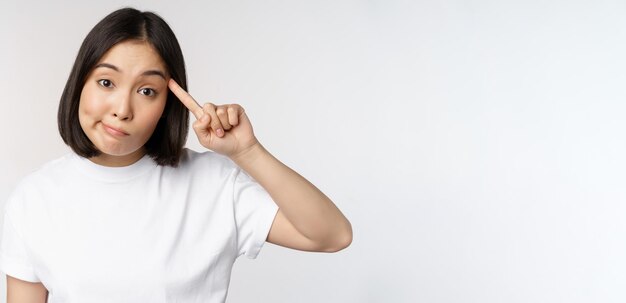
(186,99)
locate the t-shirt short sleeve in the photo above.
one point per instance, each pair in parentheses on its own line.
(254,214)
(14,260)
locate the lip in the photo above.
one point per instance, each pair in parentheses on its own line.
(114,131)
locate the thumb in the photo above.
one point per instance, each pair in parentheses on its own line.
(201,126)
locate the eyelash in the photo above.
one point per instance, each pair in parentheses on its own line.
(152,92)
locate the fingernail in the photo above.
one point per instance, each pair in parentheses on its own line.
(220,132)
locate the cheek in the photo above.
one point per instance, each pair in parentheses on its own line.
(159,107)
(89,107)
(152,115)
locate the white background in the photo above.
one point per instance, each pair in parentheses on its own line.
(477,147)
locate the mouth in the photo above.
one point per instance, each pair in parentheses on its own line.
(114,131)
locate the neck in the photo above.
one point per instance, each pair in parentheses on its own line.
(118,161)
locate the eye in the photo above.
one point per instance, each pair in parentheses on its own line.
(147,92)
(105,82)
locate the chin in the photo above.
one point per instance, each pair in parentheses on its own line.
(117,151)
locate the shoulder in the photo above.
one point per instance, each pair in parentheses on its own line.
(46,173)
(207,161)
(204,171)
(39,181)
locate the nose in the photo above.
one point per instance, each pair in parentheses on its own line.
(122,108)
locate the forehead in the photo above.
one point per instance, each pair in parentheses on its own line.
(133,56)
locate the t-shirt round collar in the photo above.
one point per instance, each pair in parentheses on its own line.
(112,174)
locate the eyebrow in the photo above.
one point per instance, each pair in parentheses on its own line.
(151,72)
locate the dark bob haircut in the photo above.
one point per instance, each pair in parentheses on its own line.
(165,145)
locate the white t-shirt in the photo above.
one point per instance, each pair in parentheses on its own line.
(140,233)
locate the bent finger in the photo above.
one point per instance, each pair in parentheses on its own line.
(222,114)
(216,125)
(201,126)
(233,114)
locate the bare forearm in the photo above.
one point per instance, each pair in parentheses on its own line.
(310,211)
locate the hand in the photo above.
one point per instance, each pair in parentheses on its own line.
(224,129)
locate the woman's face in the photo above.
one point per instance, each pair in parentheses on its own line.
(122,101)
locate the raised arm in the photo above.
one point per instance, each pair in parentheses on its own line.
(307,219)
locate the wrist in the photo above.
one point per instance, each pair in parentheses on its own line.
(248,155)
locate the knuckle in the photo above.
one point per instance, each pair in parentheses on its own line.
(197,126)
(208,106)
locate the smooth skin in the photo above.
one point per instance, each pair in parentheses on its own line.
(126,91)
(120,105)
(19,291)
